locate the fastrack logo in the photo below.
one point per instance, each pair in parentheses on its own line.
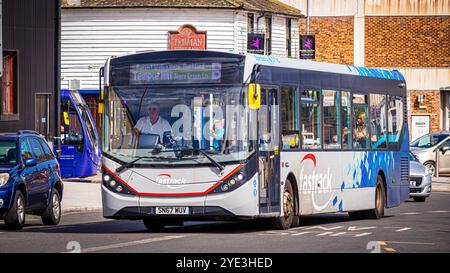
(316,183)
(166,179)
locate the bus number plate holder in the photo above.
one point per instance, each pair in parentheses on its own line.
(172,210)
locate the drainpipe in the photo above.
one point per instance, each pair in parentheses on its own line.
(307,17)
(57,71)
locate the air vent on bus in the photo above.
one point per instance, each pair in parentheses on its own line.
(404,169)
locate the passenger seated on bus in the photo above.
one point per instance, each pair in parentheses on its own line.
(218,135)
(360,133)
(153,123)
(345,140)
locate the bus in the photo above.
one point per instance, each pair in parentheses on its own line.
(205,135)
(80,154)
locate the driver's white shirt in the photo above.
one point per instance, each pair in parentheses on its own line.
(146,127)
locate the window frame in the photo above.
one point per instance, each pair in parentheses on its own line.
(15,116)
(269,33)
(367,105)
(350,145)
(338,93)
(370,120)
(295,87)
(319,90)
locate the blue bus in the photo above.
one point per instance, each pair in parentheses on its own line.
(80,146)
(212,135)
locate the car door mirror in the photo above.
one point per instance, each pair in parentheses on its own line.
(30,162)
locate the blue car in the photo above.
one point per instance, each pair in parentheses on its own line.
(30,180)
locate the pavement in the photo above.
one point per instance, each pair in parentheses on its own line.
(441,184)
(411,227)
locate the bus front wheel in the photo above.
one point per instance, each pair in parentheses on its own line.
(289,219)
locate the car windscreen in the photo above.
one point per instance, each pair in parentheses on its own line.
(8,152)
(428,141)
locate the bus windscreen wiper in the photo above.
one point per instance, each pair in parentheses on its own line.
(130,164)
(213,161)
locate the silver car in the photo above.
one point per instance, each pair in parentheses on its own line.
(425,147)
(420,179)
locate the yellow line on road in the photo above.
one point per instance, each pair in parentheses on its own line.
(382,243)
(390,249)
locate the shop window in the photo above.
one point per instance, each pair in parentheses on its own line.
(346,126)
(8,107)
(289,118)
(395,118)
(378,132)
(331,123)
(310,119)
(360,121)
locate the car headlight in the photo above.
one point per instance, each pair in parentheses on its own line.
(4,177)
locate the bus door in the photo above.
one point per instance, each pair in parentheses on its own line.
(72,139)
(268,150)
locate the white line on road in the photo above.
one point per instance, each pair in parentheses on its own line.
(411,213)
(325,233)
(439,211)
(363,234)
(352,228)
(127,244)
(403,229)
(324,228)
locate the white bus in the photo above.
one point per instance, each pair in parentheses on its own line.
(205,135)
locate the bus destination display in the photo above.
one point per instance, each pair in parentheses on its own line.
(170,73)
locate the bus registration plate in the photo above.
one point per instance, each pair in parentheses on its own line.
(172,210)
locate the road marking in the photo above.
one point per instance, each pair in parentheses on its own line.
(389,249)
(338,234)
(363,234)
(439,211)
(127,244)
(323,228)
(403,229)
(352,228)
(411,213)
(301,233)
(382,243)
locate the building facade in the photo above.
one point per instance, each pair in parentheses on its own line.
(94,30)
(412,36)
(30,70)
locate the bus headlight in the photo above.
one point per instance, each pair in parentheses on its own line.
(232,183)
(115,184)
(4,177)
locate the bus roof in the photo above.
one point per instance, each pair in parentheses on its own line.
(323,67)
(283,62)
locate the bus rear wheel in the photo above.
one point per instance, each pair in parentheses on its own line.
(289,219)
(380,202)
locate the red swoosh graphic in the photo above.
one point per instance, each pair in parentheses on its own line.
(310,156)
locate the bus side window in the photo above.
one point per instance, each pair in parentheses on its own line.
(310,119)
(331,126)
(378,121)
(346,125)
(360,121)
(395,118)
(289,118)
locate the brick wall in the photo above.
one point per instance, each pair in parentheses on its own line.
(432,101)
(408,41)
(334,38)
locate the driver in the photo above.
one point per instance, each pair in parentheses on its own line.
(153,123)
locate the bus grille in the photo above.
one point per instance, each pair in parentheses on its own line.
(404,170)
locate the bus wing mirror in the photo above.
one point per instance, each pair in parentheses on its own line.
(254,96)
(66,118)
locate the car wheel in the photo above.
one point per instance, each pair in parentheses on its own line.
(419,199)
(289,219)
(153,225)
(430,165)
(15,218)
(380,202)
(52,214)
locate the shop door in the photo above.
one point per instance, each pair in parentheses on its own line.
(42,117)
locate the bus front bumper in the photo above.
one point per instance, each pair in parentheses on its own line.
(241,203)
